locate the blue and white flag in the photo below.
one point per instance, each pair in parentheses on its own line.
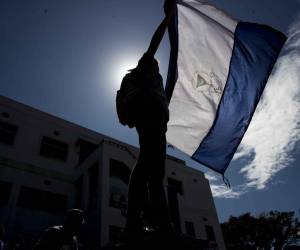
(218,70)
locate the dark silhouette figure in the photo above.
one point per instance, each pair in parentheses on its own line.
(150,115)
(145,107)
(63,236)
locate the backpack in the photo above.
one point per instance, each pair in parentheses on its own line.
(126,100)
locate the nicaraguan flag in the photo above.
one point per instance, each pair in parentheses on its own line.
(217,72)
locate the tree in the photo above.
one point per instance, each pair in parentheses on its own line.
(267,230)
(284,227)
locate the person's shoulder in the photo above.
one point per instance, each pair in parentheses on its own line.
(49,238)
(128,75)
(54,230)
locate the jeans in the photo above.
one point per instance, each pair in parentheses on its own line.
(146,188)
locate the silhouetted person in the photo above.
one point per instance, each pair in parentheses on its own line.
(62,237)
(150,119)
(147,109)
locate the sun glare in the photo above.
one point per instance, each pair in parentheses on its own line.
(122,66)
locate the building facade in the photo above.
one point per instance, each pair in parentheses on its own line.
(49,165)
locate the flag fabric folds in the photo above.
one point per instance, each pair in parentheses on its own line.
(217,72)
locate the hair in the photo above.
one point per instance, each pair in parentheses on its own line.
(75,215)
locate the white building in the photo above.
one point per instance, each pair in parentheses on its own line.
(49,165)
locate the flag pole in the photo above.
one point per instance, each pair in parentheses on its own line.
(160,31)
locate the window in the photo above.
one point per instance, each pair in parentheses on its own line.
(119,179)
(118,193)
(42,200)
(5,115)
(118,168)
(5,189)
(7,133)
(52,148)
(210,233)
(177,185)
(174,187)
(56,133)
(47,182)
(85,149)
(190,229)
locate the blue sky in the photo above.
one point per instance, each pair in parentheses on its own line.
(67,58)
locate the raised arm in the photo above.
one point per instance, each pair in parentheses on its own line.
(160,31)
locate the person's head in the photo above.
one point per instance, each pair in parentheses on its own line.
(74,221)
(147,64)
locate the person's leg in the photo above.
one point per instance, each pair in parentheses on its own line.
(153,142)
(147,178)
(137,193)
